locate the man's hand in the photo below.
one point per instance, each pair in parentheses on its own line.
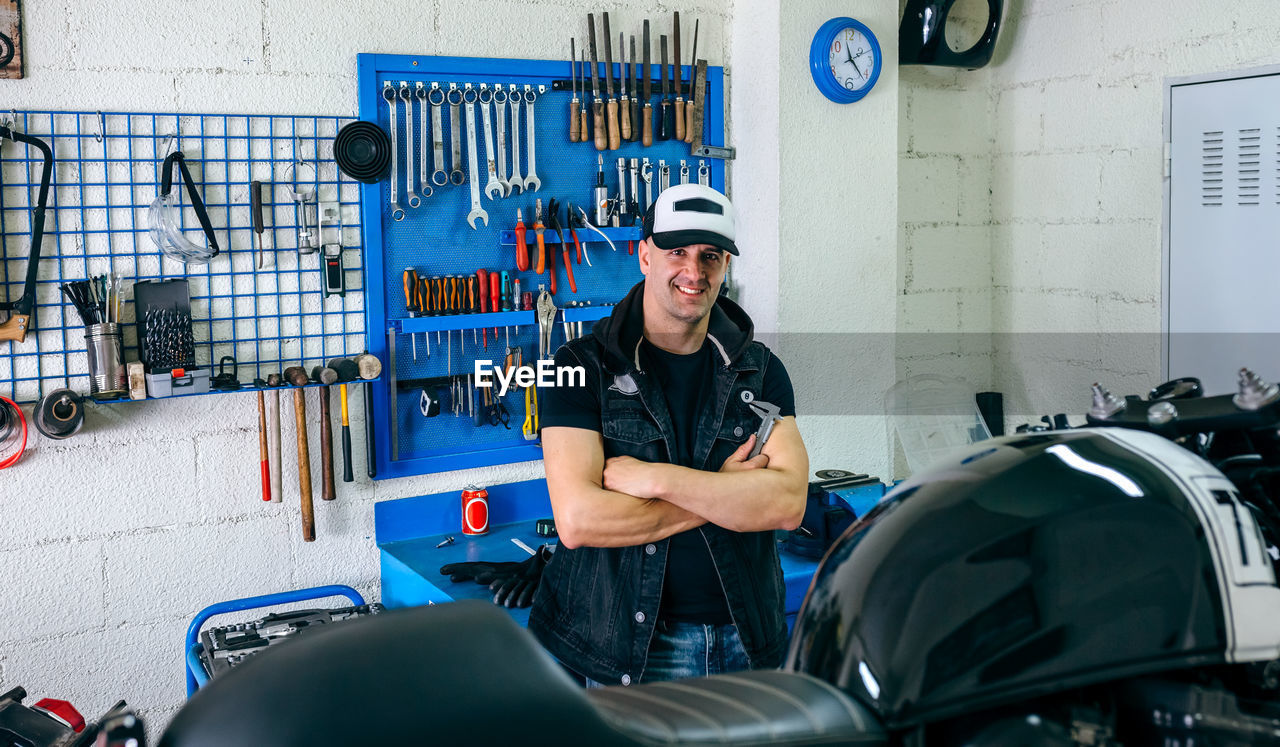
(628,475)
(738,462)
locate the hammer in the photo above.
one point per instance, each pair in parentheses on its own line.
(347,370)
(296,376)
(370,368)
(326,376)
(273,436)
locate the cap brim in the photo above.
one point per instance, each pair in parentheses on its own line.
(677,239)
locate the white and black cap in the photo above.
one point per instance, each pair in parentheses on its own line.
(688,214)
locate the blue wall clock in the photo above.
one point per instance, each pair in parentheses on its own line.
(844,60)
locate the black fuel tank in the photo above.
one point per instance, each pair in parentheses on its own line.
(1035,564)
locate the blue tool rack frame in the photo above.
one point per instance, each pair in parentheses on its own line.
(435,240)
(106,173)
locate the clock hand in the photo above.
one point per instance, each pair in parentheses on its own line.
(855,67)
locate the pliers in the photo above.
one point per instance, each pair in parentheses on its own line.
(573,223)
(553,220)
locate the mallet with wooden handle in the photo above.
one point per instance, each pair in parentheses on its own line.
(297,377)
(347,370)
(273,437)
(370,369)
(262,446)
(326,376)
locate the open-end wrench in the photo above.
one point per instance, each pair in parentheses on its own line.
(500,99)
(436,99)
(704,173)
(646,174)
(389,93)
(406,94)
(684,171)
(456,176)
(477,213)
(517,178)
(424,184)
(531,181)
(493,187)
(664,176)
(769,414)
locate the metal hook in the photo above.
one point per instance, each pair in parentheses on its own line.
(164,144)
(102,128)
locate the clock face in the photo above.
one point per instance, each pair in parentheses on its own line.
(851,59)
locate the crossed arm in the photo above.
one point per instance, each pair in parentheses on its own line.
(624,501)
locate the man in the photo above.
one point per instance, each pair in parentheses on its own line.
(668,568)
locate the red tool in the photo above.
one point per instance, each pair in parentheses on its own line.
(522,248)
(574,233)
(551,268)
(631,247)
(542,247)
(495,296)
(553,220)
(483,276)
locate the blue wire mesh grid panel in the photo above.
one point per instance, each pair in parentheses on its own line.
(436,239)
(107,169)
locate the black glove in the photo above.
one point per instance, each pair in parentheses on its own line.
(481,571)
(517,589)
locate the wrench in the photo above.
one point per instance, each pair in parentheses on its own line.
(438,176)
(493,187)
(516,181)
(455,132)
(500,98)
(704,173)
(425,187)
(531,182)
(664,176)
(684,171)
(397,212)
(769,414)
(407,95)
(477,213)
(646,173)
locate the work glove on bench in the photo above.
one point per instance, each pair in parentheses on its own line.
(516,590)
(481,571)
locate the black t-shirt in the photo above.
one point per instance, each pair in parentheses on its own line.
(692,591)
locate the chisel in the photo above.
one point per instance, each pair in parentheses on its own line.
(675,78)
(665,120)
(615,141)
(624,108)
(597,104)
(688,110)
(647,113)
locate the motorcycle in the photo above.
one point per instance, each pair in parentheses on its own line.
(1107,585)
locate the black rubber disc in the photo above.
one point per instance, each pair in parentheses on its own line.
(363,151)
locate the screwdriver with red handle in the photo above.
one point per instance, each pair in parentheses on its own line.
(495,297)
(522,248)
(483,276)
(542,247)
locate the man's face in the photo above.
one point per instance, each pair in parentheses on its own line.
(683,282)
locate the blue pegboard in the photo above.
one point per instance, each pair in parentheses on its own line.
(106,175)
(435,239)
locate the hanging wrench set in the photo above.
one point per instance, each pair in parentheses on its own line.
(499,232)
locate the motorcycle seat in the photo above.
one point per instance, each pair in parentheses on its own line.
(466,673)
(744,708)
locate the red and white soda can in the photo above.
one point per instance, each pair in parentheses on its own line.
(475,510)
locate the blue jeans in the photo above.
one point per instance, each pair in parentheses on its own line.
(680,650)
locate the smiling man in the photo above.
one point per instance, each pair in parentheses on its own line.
(667,566)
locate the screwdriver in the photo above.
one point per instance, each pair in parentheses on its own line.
(426,305)
(411,302)
(495,293)
(483,276)
(473,304)
(436,296)
(542,247)
(522,248)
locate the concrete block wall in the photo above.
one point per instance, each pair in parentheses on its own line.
(116,537)
(1077,185)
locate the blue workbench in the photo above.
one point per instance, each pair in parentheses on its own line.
(408,530)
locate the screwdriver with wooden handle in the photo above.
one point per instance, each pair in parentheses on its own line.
(597,103)
(675,78)
(688,110)
(615,141)
(573,103)
(647,114)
